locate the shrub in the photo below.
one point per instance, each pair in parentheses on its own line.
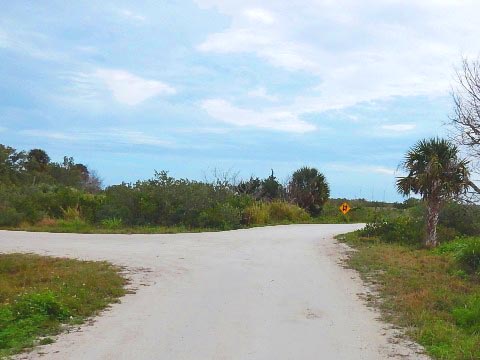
(240,201)
(463,218)
(90,205)
(445,234)
(10,217)
(468,316)
(222,216)
(374,228)
(468,255)
(283,211)
(453,247)
(402,229)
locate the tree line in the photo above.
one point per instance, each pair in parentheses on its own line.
(18,168)
(36,190)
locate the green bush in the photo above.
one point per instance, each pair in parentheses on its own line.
(402,229)
(468,255)
(468,316)
(222,216)
(446,234)
(10,217)
(165,201)
(453,247)
(463,218)
(90,204)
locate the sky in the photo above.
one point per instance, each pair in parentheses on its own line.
(130,87)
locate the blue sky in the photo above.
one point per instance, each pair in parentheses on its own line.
(127,87)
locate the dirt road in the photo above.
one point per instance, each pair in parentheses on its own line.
(269,293)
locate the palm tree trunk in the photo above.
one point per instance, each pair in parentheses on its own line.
(433,210)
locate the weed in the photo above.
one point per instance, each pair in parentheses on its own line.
(257,214)
(71,213)
(112,223)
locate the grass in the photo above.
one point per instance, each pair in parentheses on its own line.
(40,295)
(427,292)
(99,229)
(276,213)
(81,227)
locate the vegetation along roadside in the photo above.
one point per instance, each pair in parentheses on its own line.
(40,296)
(429,285)
(434,294)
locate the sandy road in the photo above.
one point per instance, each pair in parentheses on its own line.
(268,293)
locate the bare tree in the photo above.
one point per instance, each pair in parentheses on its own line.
(466,118)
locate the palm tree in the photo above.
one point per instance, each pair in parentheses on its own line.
(437,174)
(309,189)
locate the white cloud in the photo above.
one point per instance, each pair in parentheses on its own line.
(137,138)
(356,51)
(356,168)
(281,53)
(260,15)
(261,93)
(54,135)
(116,135)
(382,170)
(398,127)
(274,120)
(130,89)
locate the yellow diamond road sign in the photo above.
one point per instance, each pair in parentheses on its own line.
(345,208)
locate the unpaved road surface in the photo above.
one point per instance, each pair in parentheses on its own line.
(271,293)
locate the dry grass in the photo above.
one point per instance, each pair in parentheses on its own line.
(420,291)
(275,212)
(47,222)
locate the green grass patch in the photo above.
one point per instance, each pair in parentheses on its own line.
(86,228)
(427,292)
(38,295)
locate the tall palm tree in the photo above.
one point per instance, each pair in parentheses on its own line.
(436,173)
